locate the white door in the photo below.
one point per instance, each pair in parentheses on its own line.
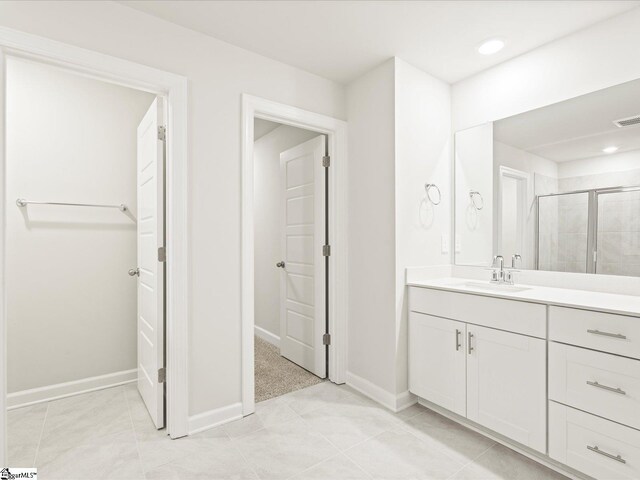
(150,269)
(437,361)
(302,283)
(506,384)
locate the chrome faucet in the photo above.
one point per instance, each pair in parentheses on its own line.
(514,259)
(503,275)
(497,276)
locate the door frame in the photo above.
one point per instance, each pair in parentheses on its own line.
(523,179)
(336,131)
(173,88)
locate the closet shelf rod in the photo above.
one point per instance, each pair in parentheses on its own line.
(21,202)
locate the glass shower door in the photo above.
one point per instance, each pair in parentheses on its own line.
(618,232)
(563,232)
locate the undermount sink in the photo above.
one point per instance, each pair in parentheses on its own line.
(495,287)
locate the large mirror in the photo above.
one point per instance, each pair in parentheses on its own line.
(556,189)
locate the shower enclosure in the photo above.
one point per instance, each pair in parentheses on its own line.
(590,231)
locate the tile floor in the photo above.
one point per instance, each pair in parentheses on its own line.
(324,432)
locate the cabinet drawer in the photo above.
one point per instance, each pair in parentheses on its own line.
(509,315)
(617,334)
(597,447)
(599,383)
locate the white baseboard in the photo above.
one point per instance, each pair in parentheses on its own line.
(405,400)
(213,418)
(393,402)
(267,336)
(61,390)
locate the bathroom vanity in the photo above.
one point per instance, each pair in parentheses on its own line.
(553,372)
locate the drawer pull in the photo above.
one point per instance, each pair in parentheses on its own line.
(458,344)
(607,334)
(617,458)
(604,387)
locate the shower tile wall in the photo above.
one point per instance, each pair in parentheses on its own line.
(547,222)
(563,224)
(573,222)
(619,234)
(563,233)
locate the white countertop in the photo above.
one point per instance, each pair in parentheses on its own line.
(565,297)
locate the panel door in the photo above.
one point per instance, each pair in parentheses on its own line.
(303,288)
(151,271)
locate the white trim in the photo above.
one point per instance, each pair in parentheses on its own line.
(47,393)
(174,88)
(212,418)
(395,403)
(267,336)
(405,400)
(336,131)
(496,437)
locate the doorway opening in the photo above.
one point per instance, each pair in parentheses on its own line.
(290,231)
(308,265)
(84,227)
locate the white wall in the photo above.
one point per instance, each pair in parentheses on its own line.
(267,191)
(72,308)
(597,57)
(372,268)
(423,155)
(616,162)
(399,139)
(218,74)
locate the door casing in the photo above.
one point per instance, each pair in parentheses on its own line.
(337,292)
(174,89)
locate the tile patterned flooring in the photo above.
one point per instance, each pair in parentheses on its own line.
(324,432)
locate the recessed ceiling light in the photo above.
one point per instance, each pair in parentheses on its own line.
(610,149)
(490,47)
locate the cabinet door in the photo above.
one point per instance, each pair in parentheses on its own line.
(437,361)
(506,384)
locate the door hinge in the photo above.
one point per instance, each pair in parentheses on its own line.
(326,250)
(326,339)
(162,375)
(162,254)
(326,161)
(162,132)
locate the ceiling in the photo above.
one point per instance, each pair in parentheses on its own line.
(262,127)
(341,40)
(577,128)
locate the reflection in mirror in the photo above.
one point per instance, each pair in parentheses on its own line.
(561,185)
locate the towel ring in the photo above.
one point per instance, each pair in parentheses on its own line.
(428,187)
(473,195)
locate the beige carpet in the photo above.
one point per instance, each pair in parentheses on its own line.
(275,375)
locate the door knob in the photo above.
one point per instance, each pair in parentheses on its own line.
(134,272)
(280,264)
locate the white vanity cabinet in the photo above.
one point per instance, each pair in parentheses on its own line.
(594,392)
(493,377)
(562,380)
(437,359)
(506,384)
